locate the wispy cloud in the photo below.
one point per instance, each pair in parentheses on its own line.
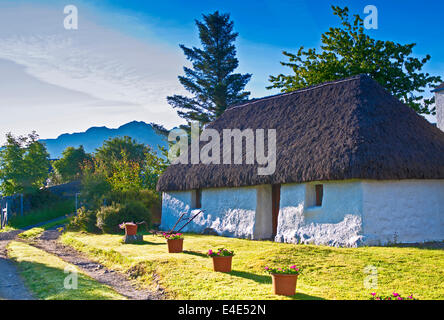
(102,67)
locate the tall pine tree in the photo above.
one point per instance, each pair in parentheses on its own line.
(211,80)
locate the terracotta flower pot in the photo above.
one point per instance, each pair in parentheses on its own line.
(130,229)
(175,245)
(222,264)
(284,284)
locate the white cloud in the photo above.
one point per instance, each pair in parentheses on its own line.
(98,71)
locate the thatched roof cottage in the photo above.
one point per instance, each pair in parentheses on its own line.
(354,166)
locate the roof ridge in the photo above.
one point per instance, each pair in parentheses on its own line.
(313,87)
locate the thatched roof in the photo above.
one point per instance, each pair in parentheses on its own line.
(346,129)
(439,88)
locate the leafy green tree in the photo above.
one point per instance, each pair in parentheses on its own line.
(154,167)
(114,149)
(69,167)
(211,80)
(348,51)
(24,164)
(126,174)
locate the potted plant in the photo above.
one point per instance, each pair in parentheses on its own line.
(175,242)
(130,228)
(222,259)
(284,279)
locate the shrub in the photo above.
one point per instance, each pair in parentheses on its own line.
(136,211)
(109,218)
(42,198)
(85,220)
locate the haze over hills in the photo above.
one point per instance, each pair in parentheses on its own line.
(94,137)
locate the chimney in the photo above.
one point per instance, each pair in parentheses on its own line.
(439,101)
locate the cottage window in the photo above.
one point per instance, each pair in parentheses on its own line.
(319,188)
(196,201)
(314,195)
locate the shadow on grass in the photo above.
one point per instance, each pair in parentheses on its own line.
(144,242)
(195,253)
(47,283)
(303,296)
(435,245)
(251,276)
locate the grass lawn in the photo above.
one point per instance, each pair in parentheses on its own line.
(328,273)
(32,217)
(44,275)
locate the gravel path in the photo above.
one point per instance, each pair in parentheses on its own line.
(118,281)
(11,285)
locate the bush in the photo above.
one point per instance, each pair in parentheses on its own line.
(149,198)
(85,220)
(109,218)
(42,198)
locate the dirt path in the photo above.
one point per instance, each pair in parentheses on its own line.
(118,281)
(11,285)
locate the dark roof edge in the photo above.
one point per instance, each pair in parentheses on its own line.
(313,87)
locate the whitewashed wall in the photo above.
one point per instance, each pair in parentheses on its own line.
(338,222)
(403,211)
(353,213)
(439,97)
(231,211)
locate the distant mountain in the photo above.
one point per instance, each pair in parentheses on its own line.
(94,137)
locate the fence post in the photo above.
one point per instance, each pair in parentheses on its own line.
(1,214)
(21,204)
(77,199)
(5,215)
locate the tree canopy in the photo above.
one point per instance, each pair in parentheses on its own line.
(348,51)
(118,148)
(211,80)
(24,164)
(69,167)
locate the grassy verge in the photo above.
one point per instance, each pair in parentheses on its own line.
(37,231)
(7,228)
(328,273)
(44,275)
(56,210)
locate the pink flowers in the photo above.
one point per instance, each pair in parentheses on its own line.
(283,270)
(221,252)
(393,296)
(173,236)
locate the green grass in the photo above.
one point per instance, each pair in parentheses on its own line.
(328,273)
(7,228)
(32,217)
(44,275)
(37,231)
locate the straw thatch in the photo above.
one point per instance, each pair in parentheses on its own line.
(346,129)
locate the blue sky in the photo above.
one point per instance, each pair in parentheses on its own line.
(124,59)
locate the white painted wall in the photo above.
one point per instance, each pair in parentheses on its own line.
(439,100)
(403,211)
(338,222)
(353,213)
(230,211)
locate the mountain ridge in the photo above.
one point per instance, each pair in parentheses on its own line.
(93,137)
